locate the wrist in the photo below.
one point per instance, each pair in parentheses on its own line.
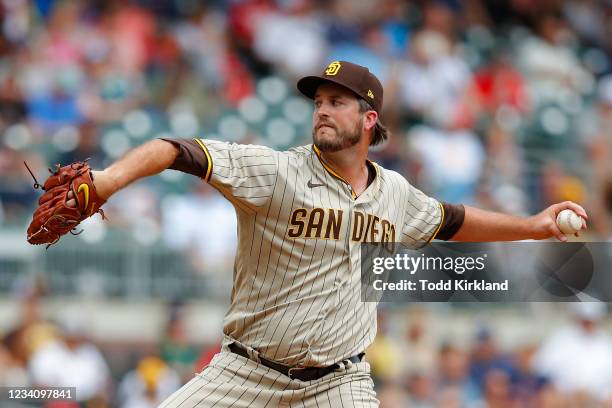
(104,183)
(528,227)
(533,228)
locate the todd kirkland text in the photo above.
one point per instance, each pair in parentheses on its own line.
(443,285)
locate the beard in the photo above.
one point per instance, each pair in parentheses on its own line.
(342,140)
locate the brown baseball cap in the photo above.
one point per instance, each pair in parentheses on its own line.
(355,77)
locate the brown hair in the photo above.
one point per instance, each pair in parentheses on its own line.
(381,133)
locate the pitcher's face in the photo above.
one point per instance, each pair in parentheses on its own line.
(337,121)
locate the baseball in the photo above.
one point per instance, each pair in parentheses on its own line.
(569,222)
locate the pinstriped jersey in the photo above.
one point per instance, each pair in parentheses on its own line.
(296,292)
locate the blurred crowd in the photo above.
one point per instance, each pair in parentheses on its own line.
(61,351)
(572,367)
(505,104)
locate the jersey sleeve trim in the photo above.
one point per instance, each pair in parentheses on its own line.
(208,159)
(441,222)
(454,216)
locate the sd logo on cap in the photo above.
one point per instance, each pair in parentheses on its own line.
(333,68)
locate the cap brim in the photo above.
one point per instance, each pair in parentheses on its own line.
(309,85)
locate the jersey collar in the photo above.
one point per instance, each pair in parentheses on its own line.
(326,167)
(373,185)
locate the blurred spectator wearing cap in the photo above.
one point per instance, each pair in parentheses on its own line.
(578,358)
(486,357)
(496,390)
(72,361)
(453,379)
(526,384)
(422,391)
(149,384)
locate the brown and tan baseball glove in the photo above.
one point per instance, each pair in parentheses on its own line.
(53,217)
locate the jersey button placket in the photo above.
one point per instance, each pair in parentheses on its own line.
(354,247)
(350,191)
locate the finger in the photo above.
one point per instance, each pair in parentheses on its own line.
(584,224)
(577,209)
(71,203)
(557,233)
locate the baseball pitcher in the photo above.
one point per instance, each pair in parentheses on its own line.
(296,330)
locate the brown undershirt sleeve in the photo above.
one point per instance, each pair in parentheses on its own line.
(191,159)
(453,220)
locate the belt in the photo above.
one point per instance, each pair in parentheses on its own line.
(302,374)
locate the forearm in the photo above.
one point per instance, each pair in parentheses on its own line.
(481,226)
(146,160)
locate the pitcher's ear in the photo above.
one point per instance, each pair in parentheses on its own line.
(370,118)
